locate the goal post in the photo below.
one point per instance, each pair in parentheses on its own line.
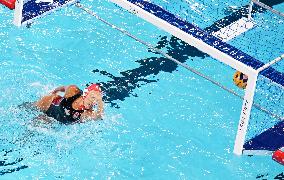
(247,105)
(265,132)
(212,46)
(245,113)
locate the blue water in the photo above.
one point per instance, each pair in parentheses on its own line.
(161,122)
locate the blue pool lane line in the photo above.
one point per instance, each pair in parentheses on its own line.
(200,34)
(32,10)
(269,140)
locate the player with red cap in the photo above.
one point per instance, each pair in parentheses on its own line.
(75,105)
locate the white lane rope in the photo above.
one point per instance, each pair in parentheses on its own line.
(174,60)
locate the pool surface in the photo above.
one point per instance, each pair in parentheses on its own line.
(161,121)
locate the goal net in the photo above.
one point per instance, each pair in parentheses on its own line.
(246,37)
(265,132)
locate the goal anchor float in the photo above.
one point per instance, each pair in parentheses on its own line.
(8,3)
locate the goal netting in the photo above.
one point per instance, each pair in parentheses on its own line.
(246,36)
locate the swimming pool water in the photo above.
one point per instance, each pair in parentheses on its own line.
(162,121)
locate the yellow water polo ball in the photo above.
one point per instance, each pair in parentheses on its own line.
(240,79)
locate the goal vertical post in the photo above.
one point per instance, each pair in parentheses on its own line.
(245,113)
(18,12)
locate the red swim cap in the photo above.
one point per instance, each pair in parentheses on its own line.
(92,87)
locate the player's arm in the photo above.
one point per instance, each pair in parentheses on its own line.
(69,91)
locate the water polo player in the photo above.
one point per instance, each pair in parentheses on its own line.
(74,106)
